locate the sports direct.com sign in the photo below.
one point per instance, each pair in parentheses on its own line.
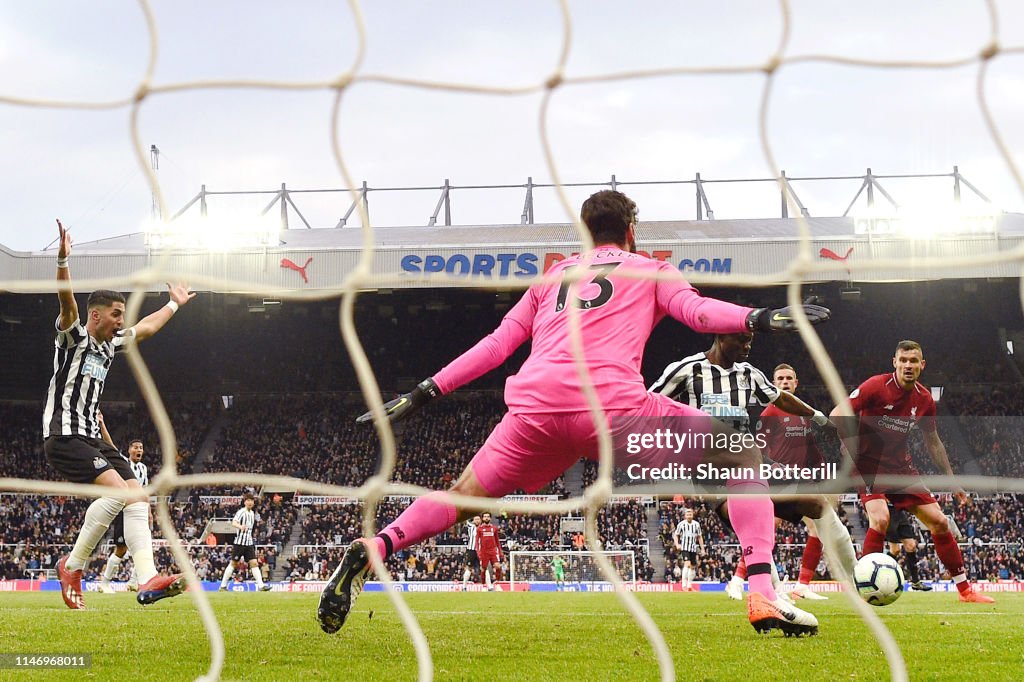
(530,264)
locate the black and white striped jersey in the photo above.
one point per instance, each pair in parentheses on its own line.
(722,393)
(141,472)
(248,518)
(80,366)
(470,535)
(687,533)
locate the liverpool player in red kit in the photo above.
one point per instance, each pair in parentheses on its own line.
(789,440)
(488,548)
(889,406)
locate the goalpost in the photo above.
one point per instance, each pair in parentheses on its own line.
(580,567)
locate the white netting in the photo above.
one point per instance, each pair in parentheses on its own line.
(576,567)
(801,269)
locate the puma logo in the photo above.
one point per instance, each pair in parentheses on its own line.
(832,255)
(286,263)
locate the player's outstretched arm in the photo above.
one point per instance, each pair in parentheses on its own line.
(787,402)
(68,306)
(405,405)
(154,322)
(712,316)
(487,354)
(781,319)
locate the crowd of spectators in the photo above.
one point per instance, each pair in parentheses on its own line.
(21,447)
(315,436)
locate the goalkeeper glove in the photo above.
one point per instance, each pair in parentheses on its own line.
(402,407)
(781,319)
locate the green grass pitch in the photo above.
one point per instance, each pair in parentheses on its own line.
(509,636)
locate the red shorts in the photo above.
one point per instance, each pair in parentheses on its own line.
(901,500)
(488,559)
(529,451)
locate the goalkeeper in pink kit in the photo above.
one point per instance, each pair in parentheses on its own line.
(549,425)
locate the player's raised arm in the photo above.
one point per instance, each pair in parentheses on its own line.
(154,322)
(68,306)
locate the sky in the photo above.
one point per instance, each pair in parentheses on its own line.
(824,119)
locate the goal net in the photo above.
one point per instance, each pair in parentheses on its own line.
(576,567)
(769,82)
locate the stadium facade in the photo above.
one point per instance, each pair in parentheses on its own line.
(408,257)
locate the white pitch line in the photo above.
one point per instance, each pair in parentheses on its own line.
(575,614)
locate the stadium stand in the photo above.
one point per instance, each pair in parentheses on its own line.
(293,410)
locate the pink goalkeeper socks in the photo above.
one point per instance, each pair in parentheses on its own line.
(753,519)
(428,516)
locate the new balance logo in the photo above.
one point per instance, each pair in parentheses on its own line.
(748,550)
(400,533)
(99,462)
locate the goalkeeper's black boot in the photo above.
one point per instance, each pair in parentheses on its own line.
(343,587)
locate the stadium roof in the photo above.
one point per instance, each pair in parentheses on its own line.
(704,250)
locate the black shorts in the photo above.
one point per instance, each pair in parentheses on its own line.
(117,529)
(901,526)
(472,560)
(687,555)
(243,552)
(81,459)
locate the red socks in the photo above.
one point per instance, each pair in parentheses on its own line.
(873,542)
(809,563)
(950,556)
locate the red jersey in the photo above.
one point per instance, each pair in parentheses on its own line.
(887,415)
(788,438)
(488,540)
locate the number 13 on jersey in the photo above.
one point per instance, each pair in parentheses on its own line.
(600,278)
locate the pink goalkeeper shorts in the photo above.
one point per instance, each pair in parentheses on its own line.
(528,451)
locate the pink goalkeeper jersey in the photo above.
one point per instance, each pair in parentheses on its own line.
(616,316)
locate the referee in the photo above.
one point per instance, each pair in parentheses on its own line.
(244,546)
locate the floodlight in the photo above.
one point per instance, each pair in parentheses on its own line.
(213,233)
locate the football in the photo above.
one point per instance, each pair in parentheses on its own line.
(879,579)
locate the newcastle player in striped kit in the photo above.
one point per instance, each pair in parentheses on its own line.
(721,383)
(244,549)
(135,452)
(472,559)
(82,357)
(689,540)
